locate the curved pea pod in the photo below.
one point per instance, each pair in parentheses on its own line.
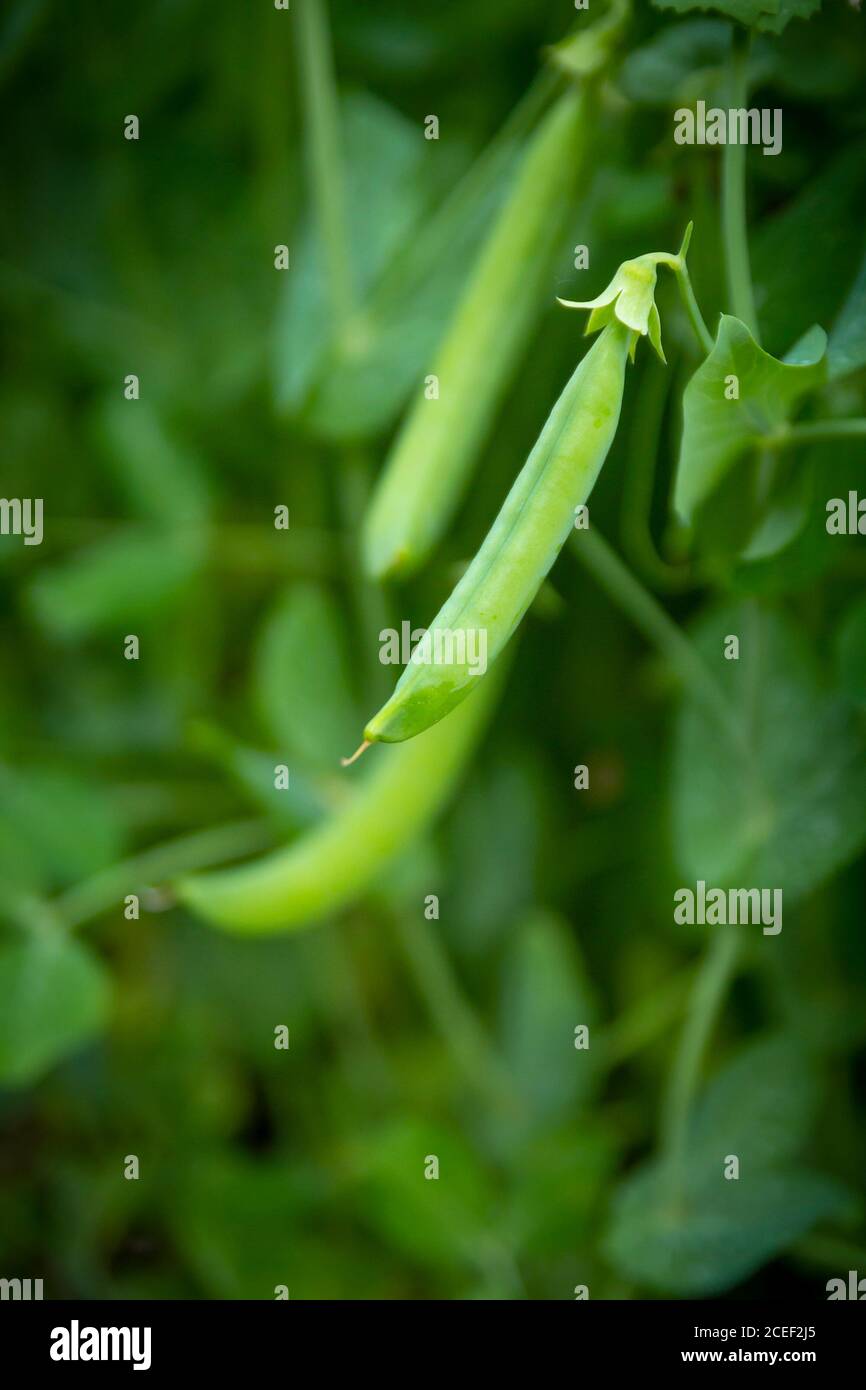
(336,862)
(434,453)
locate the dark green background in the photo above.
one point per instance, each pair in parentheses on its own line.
(155,1037)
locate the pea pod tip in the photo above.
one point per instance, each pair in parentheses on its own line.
(347,762)
(386,565)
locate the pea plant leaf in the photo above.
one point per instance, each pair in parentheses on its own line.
(788,807)
(493,837)
(780,15)
(760,1105)
(236,1220)
(545,997)
(738,394)
(53,998)
(136,573)
(851,652)
(160,478)
(846,350)
(292,808)
(55,825)
(445,1223)
(301,681)
(350,384)
(722,1232)
(746,11)
(770,15)
(381,154)
(685,62)
(827,215)
(711,1232)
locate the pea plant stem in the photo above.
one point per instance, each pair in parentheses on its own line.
(734,233)
(648,615)
(322,122)
(108,888)
(714,976)
(814,432)
(368,598)
(452,1014)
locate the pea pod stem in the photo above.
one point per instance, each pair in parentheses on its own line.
(679,265)
(691,306)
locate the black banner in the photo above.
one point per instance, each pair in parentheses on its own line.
(82,1339)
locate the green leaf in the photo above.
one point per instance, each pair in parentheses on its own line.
(827,216)
(546,995)
(443,1222)
(589,50)
(786,516)
(846,350)
(161,479)
(786,10)
(746,11)
(237,1220)
(293,808)
(493,838)
(352,385)
(53,998)
(64,824)
(769,15)
(301,679)
(851,651)
(576,1164)
(759,1106)
(717,431)
(381,160)
(678,65)
(715,1231)
(720,1233)
(788,808)
(136,573)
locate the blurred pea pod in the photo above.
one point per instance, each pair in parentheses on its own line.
(341,858)
(536,517)
(436,449)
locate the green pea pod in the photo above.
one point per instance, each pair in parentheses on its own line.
(338,861)
(487,604)
(433,456)
(477,620)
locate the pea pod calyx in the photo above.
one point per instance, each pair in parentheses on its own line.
(630,297)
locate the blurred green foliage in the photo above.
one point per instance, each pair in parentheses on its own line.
(408,1037)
